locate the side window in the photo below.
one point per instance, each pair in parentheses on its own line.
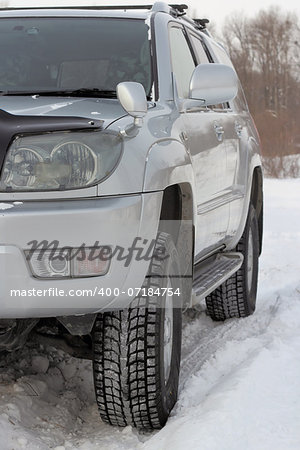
(239,103)
(202,56)
(220,54)
(182,60)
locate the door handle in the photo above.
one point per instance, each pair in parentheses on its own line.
(219,130)
(238,129)
(183,136)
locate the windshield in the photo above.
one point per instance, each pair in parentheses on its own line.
(53,54)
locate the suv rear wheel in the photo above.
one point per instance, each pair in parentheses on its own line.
(137,351)
(236,297)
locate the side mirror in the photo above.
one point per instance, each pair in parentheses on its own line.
(132,97)
(213,84)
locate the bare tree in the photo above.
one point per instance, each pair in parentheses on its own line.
(266,53)
(273,37)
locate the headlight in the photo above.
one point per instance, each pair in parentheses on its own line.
(58,161)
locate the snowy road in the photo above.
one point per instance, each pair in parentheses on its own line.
(240,381)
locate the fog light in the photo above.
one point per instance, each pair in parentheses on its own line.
(59,265)
(91,262)
(49,263)
(68,263)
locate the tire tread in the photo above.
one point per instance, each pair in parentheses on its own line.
(126,347)
(229,300)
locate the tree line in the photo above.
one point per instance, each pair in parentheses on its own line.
(265,51)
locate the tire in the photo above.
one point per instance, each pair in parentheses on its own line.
(236,297)
(137,351)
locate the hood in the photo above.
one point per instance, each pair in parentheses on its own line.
(107,110)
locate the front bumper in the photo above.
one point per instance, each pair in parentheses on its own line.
(114,221)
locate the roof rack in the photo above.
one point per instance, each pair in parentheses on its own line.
(201,23)
(176,10)
(157,6)
(180,8)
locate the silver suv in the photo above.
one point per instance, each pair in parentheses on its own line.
(131,189)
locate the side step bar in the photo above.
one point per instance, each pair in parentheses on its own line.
(210,274)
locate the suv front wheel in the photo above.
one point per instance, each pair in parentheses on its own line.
(137,350)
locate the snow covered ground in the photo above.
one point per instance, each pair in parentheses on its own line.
(240,381)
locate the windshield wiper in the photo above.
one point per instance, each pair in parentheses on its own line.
(89,92)
(82,92)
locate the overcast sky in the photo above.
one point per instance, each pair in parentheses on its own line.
(215,10)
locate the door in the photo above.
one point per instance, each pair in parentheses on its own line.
(236,139)
(205,139)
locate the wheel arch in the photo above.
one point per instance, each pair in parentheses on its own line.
(257,200)
(177,219)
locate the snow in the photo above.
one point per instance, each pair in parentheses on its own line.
(5,206)
(240,380)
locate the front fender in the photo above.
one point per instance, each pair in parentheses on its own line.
(167,163)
